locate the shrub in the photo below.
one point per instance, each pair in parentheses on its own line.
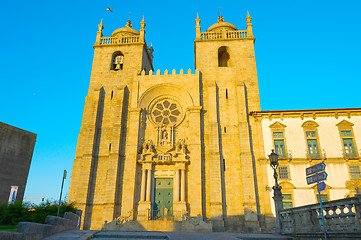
(25,212)
(44,209)
(14,213)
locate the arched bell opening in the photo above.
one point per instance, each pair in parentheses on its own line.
(117,61)
(223,57)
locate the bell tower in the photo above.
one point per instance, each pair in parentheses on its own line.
(96,184)
(225,57)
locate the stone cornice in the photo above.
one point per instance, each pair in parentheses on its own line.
(310,113)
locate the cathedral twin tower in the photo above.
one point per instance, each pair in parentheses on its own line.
(155,147)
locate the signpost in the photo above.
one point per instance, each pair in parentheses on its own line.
(321,186)
(321,176)
(317,174)
(61,192)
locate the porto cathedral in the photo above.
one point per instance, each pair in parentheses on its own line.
(161,149)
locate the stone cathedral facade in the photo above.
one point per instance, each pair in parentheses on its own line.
(188,151)
(156,145)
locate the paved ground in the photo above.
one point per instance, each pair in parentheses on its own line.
(83,235)
(73,234)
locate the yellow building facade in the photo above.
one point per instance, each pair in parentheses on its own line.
(159,146)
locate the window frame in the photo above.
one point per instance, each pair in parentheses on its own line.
(311,126)
(347,126)
(350,172)
(324,192)
(279,127)
(288,189)
(288,172)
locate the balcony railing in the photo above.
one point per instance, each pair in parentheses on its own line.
(224,35)
(162,215)
(341,216)
(118,40)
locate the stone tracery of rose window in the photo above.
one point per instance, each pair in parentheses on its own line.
(166,112)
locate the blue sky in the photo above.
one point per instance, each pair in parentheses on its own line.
(307,53)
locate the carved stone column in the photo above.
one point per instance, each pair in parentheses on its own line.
(149,174)
(183,185)
(176,186)
(179,205)
(142,189)
(144,205)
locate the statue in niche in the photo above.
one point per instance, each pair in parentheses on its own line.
(148,146)
(164,135)
(181,146)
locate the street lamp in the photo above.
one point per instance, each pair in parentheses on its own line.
(277,194)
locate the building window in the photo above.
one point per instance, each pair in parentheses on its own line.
(348,147)
(223,57)
(283,172)
(278,135)
(279,144)
(287,201)
(347,139)
(324,198)
(312,145)
(311,136)
(355,172)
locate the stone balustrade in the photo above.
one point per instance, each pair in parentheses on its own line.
(224,35)
(341,216)
(118,40)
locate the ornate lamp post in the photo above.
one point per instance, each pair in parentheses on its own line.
(277,194)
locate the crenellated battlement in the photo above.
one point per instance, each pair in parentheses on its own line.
(166,73)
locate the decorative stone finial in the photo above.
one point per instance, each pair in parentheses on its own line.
(220,18)
(249,18)
(142,23)
(100,26)
(129,24)
(198,28)
(198,21)
(249,25)
(99,33)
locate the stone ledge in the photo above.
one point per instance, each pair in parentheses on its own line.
(37,231)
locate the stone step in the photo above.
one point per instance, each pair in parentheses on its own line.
(111,235)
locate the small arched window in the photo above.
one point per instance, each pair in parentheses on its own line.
(223,57)
(117,61)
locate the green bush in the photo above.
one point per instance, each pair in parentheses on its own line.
(50,208)
(14,213)
(25,212)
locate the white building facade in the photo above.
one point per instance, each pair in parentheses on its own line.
(303,138)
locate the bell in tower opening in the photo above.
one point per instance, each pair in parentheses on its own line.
(118,62)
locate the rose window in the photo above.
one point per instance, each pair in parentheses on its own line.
(166,112)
